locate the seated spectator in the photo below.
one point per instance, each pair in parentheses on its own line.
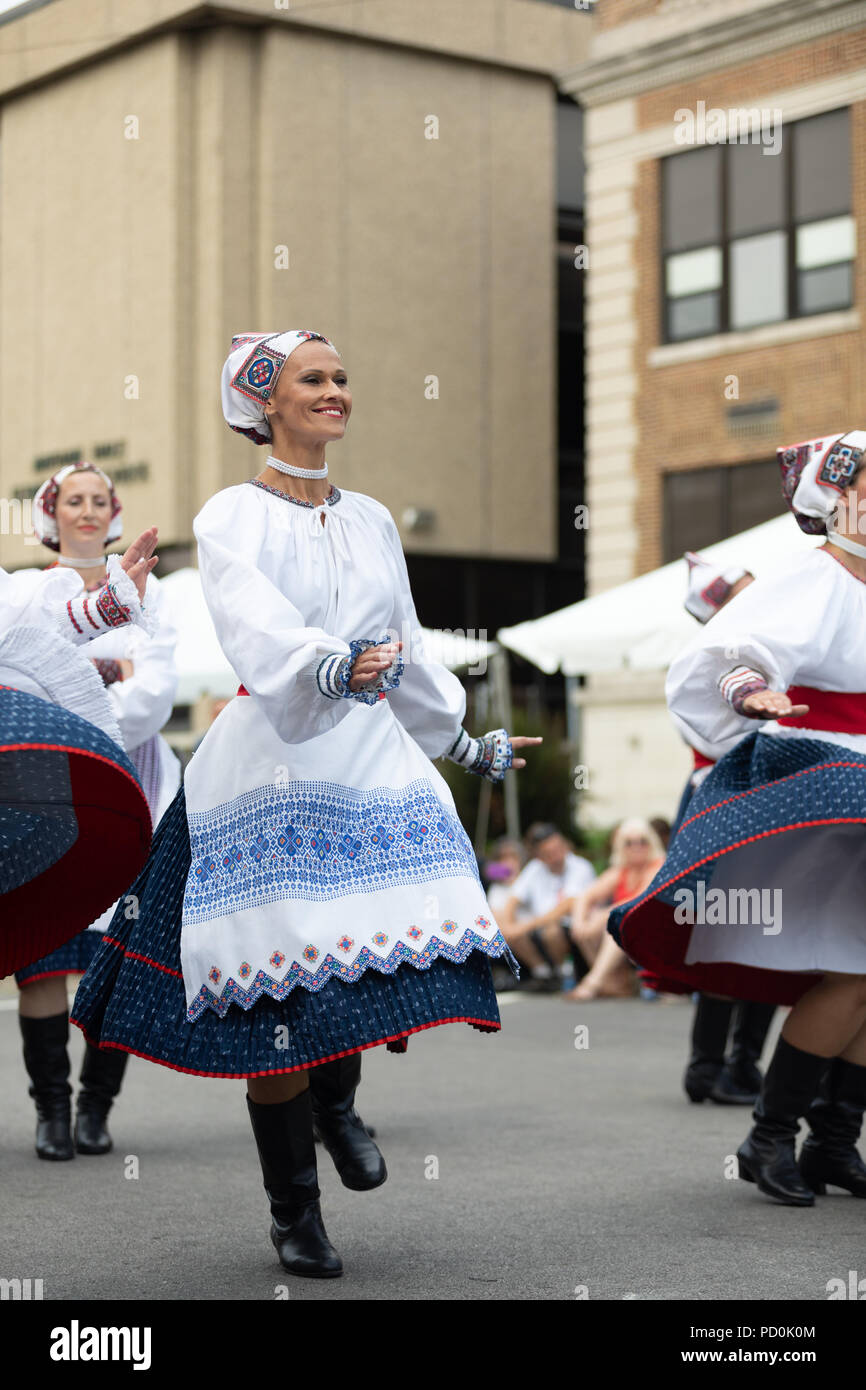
(540,897)
(636,856)
(500,872)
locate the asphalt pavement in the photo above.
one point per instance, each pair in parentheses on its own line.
(539,1163)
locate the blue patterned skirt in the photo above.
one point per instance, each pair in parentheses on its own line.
(775,810)
(72,958)
(132,996)
(74,827)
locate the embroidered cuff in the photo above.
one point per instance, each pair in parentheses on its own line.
(489,756)
(332,675)
(736,686)
(115,604)
(108,669)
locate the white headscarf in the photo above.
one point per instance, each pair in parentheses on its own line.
(816,474)
(250,373)
(709,585)
(45,505)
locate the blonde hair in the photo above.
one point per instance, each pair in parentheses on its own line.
(635,825)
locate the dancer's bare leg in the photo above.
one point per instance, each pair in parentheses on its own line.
(830,1019)
(273,1090)
(43,998)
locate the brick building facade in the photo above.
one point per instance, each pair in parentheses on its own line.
(682,424)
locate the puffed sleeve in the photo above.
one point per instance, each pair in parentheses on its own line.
(430,701)
(775,627)
(265,638)
(143,702)
(34,598)
(55,599)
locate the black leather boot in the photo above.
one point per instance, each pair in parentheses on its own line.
(835,1118)
(47,1063)
(767,1156)
(709,1041)
(284,1138)
(740,1080)
(340,1127)
(101,1076)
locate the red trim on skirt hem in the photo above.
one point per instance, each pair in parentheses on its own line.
(485,1025)
(660,945)
(49,975)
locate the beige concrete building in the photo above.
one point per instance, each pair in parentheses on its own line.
(172,173)
(723,300)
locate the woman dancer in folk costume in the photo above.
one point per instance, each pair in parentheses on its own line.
(761,895)
(74,824)
(734,1079)
(311,892)
(76,514)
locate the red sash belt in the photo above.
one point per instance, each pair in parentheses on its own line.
(836,711)
(242,690)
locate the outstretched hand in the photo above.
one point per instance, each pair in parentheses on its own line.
(771,704)
(522,742)
(139,559)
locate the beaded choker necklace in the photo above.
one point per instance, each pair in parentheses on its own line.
(332,497)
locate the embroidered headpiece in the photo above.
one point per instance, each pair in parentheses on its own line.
(250,373)
(45,505)
(816,473)
(709,586)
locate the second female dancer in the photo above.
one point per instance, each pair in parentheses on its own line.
(311,892)
(76,515)
(761,895)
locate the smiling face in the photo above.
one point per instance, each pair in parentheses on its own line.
(83,513)
(311,399)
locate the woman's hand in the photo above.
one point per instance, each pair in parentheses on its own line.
(521,742)
(139,559)
(770,704)
(126,668)
(370,663)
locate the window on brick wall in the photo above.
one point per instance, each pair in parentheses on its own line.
(705,505)
(751,237)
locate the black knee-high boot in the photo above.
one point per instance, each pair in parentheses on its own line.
(767,1155)
(709,1042)
(101,1077)
(284,1138)
(47,1063)
(340,1127)
(740,1079)
(835,1118)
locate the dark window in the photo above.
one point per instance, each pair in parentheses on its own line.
(569,154)
(752,237)
(705,505)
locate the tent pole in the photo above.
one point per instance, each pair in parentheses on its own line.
(572,726)
(502,704)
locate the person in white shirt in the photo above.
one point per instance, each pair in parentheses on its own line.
(541,896)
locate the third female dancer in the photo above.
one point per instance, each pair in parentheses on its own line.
(311,892)
(761,895)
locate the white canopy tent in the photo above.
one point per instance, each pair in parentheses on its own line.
(641,625)
(205,671)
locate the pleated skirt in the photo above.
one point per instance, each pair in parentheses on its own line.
(132,996)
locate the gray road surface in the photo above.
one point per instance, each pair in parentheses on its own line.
(560,1169)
